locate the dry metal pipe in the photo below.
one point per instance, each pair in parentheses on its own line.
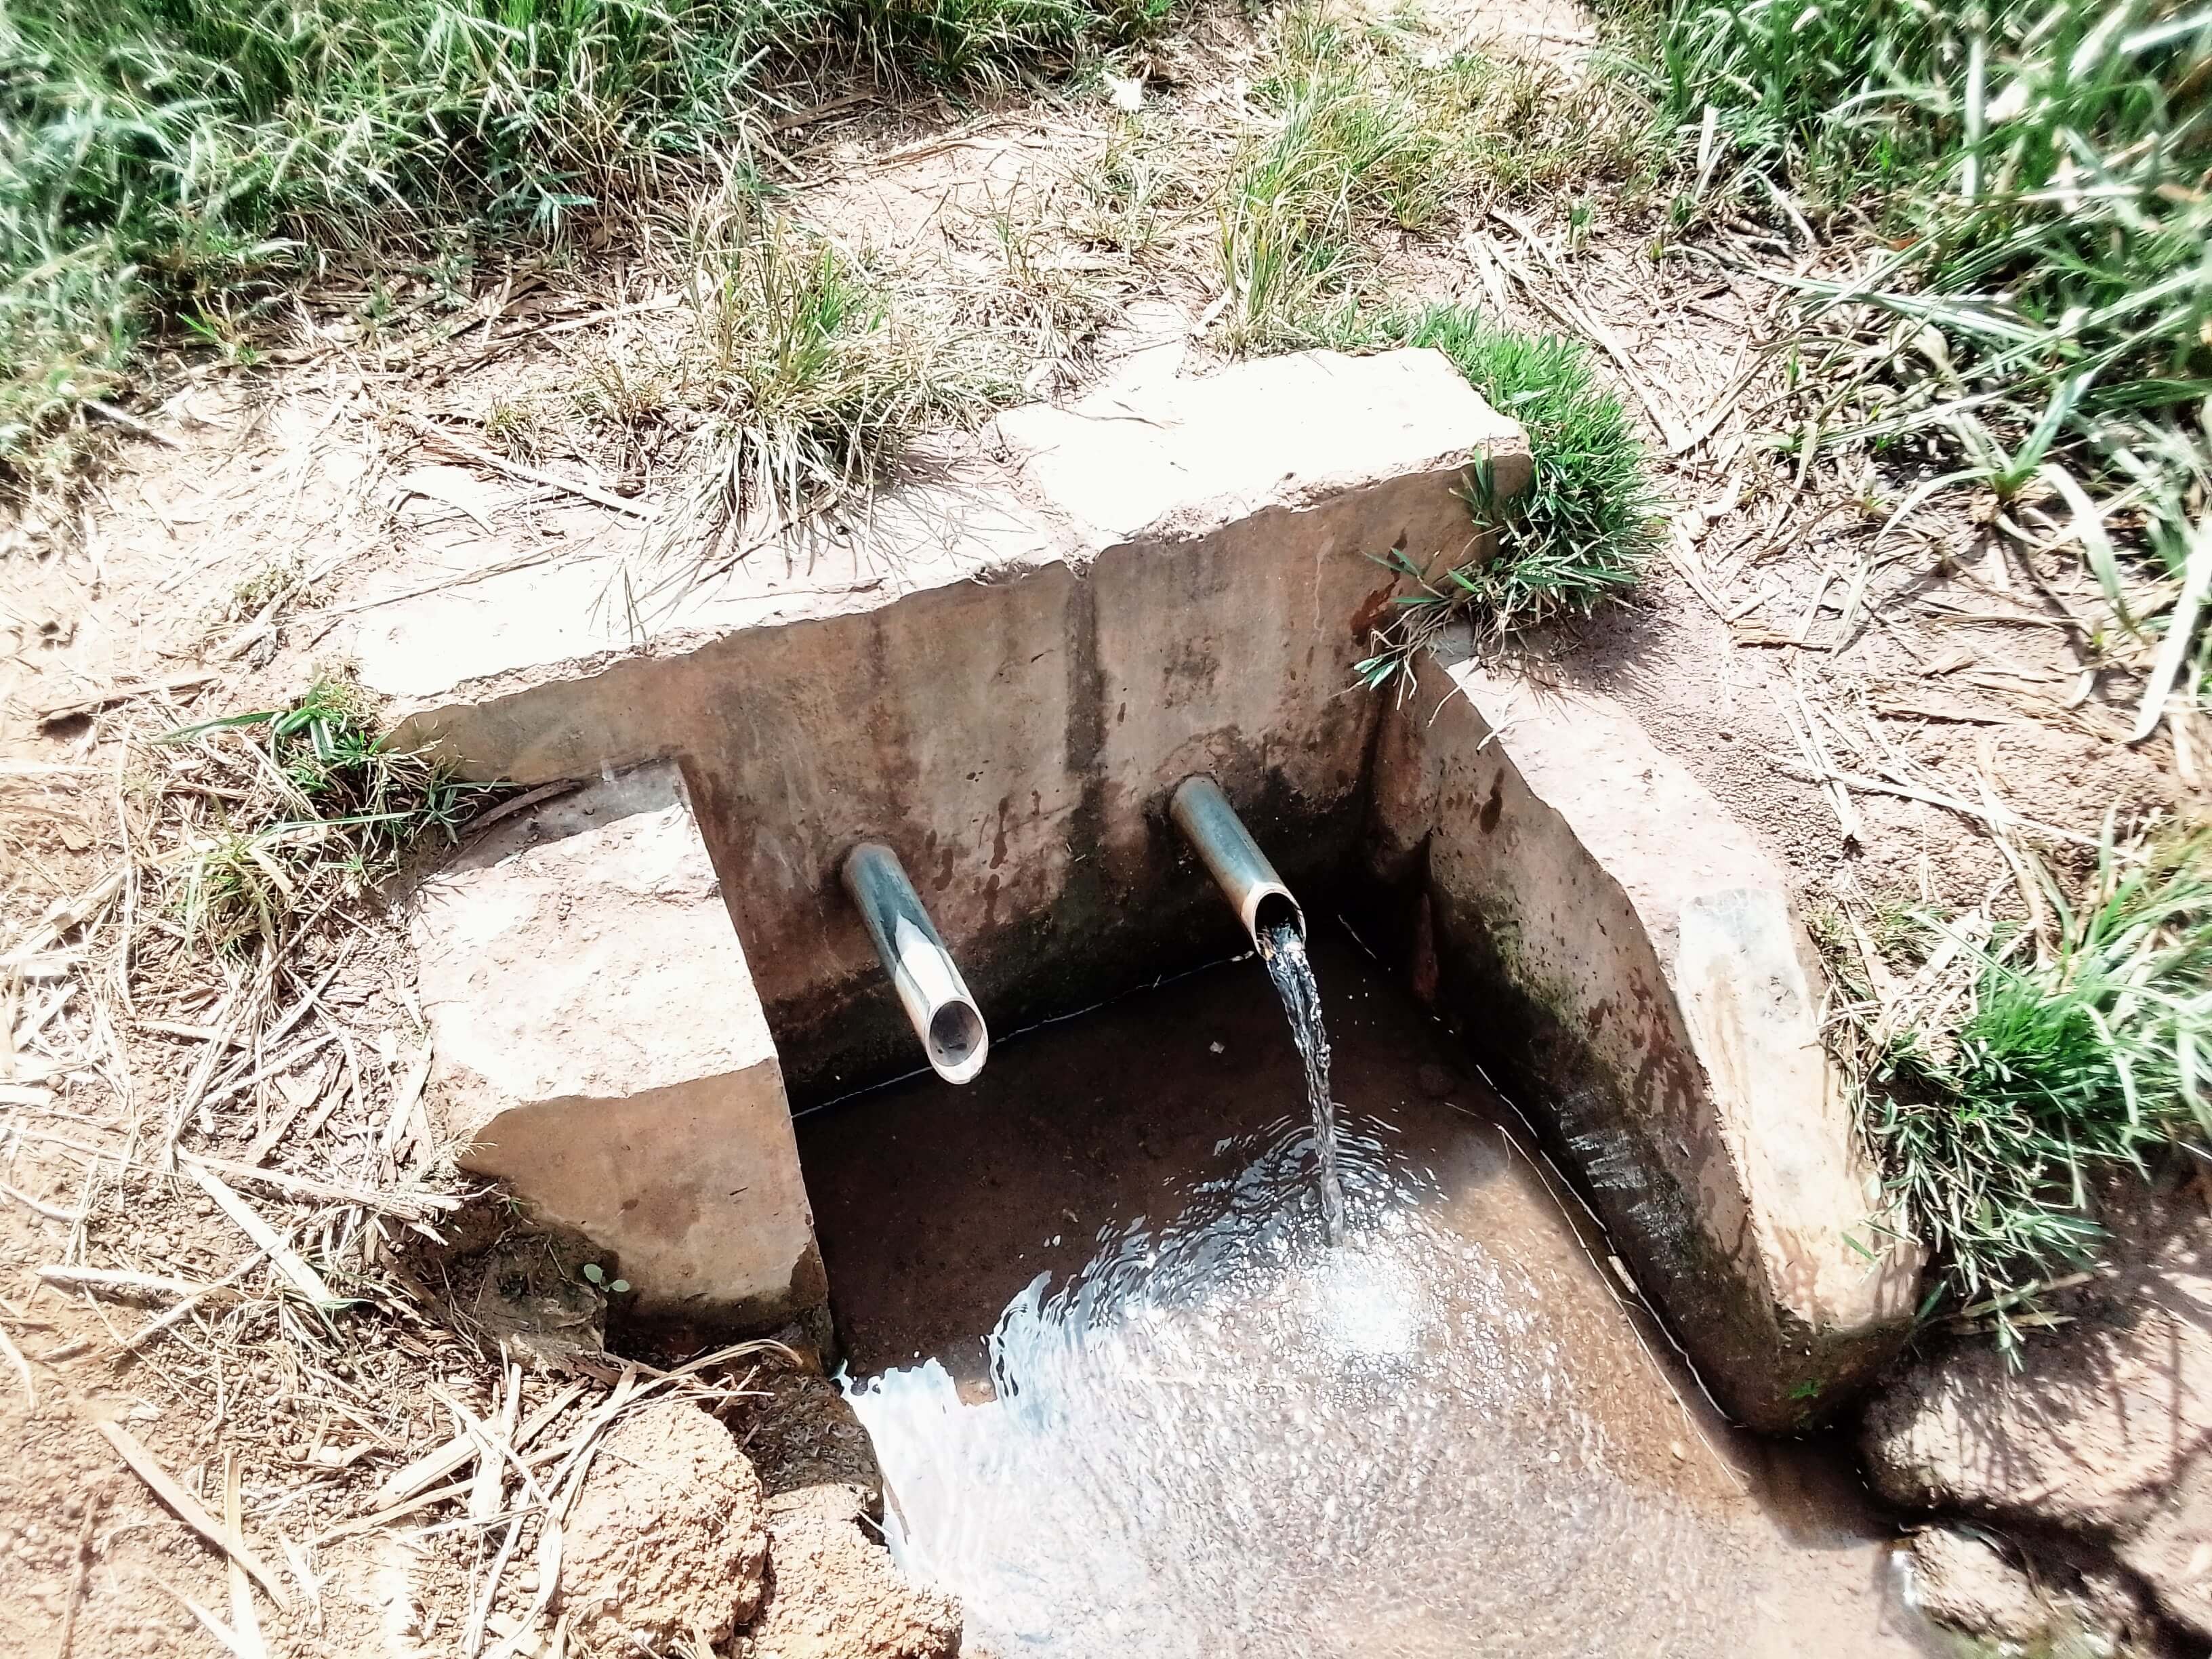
(928,982)
(1233,860)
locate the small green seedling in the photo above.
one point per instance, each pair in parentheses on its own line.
(598,1275)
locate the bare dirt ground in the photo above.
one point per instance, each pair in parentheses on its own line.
(197,1153)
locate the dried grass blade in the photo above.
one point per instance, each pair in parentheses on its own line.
(303,1278)
(2180,630)
(489,1490)
(118,1281)
(404,1118)
(243,1619)
(409,1205)
(13,1356)
(189,1510)
(468,452)
(226,1638)
(154,1328)
(431,1468)
(61,916)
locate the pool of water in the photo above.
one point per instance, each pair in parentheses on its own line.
(1128,1399)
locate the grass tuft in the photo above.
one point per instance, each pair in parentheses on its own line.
(2034,172)
(187,159)
(1120,200)
(813,380)
(2000,1086)
(1578,537)
(1343,150)
(1364,125)
(321,806)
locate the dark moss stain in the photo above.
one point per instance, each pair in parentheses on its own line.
(1617,1134)
(1493,806)
(1193,666)
(1368,616)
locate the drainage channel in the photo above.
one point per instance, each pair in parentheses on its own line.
(1128,1397)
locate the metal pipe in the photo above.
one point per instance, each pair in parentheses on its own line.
(944,1016)
(1233,860)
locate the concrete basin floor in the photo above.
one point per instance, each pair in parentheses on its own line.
(1211,1433)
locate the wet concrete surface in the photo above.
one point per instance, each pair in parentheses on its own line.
(1500,1453)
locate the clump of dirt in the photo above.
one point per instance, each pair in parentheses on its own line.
(666,1539)
(833,1592)
(2099,1444)
(813,1455)
(521,1286)
(760,1525)
(1963,1580)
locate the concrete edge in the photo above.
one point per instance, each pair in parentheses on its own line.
(599,1048)
(1685,1079)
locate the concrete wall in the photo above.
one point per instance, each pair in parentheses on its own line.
(1000,676)
(1623,953)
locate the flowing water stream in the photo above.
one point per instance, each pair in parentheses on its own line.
(1131,1397)
(1283,949)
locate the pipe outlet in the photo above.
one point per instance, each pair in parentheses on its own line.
(936,1000)
(1232,858)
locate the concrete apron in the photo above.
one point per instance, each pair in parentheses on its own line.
(1002,675)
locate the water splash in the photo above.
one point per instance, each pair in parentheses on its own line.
(1230,1435)
(1283,949)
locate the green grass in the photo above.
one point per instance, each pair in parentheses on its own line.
(2035,176)
(1370,129)
(1344,148)
(811,378)
(1991,1110)
(189,161)
(318,805)
(1580,536)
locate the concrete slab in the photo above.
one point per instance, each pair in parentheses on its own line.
(1597,923)
(1173,460)
(600,1048)
(555,670)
